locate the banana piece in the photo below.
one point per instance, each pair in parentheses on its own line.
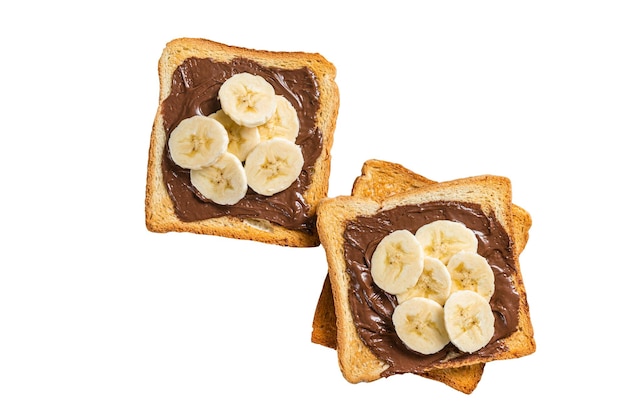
(283,123)
(241,139)
(397,262)
(443,238)
(197,142)
(273,165)
(248,99)
(434,283)
(223,182)
(470,271)
(419,323)
(469,320)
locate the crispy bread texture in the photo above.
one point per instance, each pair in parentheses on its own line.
(379,182)
(159,209)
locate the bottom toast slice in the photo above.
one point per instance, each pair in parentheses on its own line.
(380,180)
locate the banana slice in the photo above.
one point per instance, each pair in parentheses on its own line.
(470,271)
(197,142)
(241,139)
(469,320)
(248,99)
(443,238)
(223,182)
(283,123)
(434,283)
(419,323)
(397,262)
(272,166)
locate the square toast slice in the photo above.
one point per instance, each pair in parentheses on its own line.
(190,73)
(331,325)
(380,180)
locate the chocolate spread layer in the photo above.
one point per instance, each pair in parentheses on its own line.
(372,307)
(195,86)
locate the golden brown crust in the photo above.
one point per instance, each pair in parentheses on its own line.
(463,378)
(160,215)
(324,320)
(357,363)
(378,179)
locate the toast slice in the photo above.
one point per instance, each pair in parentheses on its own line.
(378,181)
(190,74)
(358,363)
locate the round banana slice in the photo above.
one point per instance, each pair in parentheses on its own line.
(241,139)
(284,122)
(273,165)
(469,320)
(470,271)
(397,262)
(434,283)
(223,182)
(419,323)
(443,238)
(197,142)
(248,99)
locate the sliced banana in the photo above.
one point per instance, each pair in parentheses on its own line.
(197,142)
(434,283)
(397,262)
(273,165)
(248,99)
(469,320)
(419,323)
(223,182)
(470,271)
(284,122)
(241,139)
(443,238)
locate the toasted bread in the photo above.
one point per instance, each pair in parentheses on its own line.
(378,181)
(171,204)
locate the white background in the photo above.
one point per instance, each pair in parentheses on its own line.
(99,317)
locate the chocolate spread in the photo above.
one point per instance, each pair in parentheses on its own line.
(372,307)
(195,85)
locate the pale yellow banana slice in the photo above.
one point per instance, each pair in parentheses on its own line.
(443,238)
(470,271)
(248,99)
(434,283)
(397,262)
(223,182)
(241,139)
(469,320)
(197,142)
(273,165)
(419,323)
(284,122)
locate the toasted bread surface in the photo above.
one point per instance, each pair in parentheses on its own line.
(378,181)
(160,210)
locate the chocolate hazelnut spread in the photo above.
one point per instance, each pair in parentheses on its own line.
(372,308)
(195,86)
